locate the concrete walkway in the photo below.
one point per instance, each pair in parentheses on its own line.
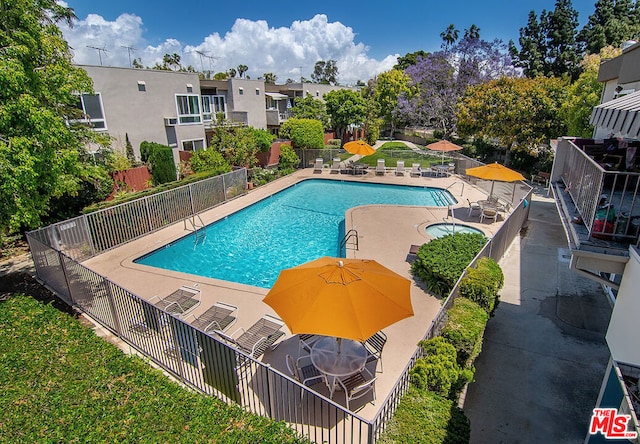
(544,354)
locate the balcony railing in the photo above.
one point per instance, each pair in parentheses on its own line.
(603,204)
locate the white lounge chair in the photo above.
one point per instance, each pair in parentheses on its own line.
(400,168)
(318,165)
(380,168)
(415,170)
(335,167)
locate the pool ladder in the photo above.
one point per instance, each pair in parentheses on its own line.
(197,226)
(350,240)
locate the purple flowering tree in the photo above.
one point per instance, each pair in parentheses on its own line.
(439,80)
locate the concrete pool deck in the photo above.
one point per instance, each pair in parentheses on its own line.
(385,234)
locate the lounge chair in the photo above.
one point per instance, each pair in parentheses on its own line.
(380,168)
(258,338)
(374,346)
(358,385)
(400,168)
(219,317)
(318,165)
(415,170)
(180,302)
(335,167)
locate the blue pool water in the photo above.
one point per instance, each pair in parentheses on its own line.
(441,230)
(297,225)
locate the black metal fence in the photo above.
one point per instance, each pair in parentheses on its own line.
(205,362)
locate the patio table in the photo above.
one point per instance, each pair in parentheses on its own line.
(338,360)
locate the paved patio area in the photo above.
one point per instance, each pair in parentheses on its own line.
(385,234)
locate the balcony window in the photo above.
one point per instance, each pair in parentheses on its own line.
(188,108)
(91,106)
(212,105)
(193,145)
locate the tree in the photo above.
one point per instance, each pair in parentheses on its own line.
(521,113)
(409,59)
(137,63)
(310,108)
(231,72)
(449,37)
(612,22)
(209,160)
(532,56)
(220,76)
(171,61)
(40,154)
(325,72)
(240,145)
(269,78)
(242,69)
(440,79)
(345,108)
(584,94)
(472,33)
(389,86)
(549,46)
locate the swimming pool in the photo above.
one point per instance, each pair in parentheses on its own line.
(441,230)
(294,226)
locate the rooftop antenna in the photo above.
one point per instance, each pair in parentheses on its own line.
(129,49)
(301,75)
(204,55)
(100,51)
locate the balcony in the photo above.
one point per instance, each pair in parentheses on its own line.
(275,117)
(599,206)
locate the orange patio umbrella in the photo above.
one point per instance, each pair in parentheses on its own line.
(345,298)
(359,147)
(495,172)
(444,146)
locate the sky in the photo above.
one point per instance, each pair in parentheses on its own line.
(285,37)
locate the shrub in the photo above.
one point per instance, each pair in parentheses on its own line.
(209,160)
(464,329)
(334,143)
(163,168)
(437,371)
(303,133)
(481,284)
(440,262)
(261,176)
(288,158)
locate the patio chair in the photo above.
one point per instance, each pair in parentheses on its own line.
(488,213)
(400,168)
(451,169)
(220,316)
(318,165)
(473,206)
(180,302)
(380,168)
(257,338)
(374,346)
(305,342)
(358,385)
(335,167)
(415,170)
(304,372)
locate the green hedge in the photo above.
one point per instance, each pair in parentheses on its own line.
(163,168)
(464,328)
(437,371)
(440,262)
(303,133)
(481,284)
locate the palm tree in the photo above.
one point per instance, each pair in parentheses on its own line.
(472,33)
(449,36)
(242,69)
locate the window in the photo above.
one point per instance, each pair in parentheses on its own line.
(142,86)
(193,145)
(188,108)
(257,91)
(189,88)
(317,93)
(211,105)
(91,106)
(240,91)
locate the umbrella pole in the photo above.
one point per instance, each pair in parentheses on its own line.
(339,344)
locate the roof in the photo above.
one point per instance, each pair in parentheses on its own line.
(620,116)
(276,96)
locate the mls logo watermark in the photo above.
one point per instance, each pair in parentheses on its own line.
(611,424)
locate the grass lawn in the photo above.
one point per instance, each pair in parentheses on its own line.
(61,383)
(391,152)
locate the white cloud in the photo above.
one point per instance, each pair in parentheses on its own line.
(263,49)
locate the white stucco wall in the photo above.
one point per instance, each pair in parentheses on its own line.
(624,327)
